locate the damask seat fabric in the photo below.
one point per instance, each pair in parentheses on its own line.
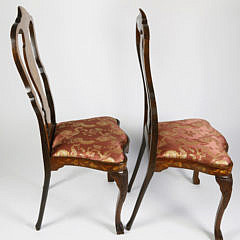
(193,140)
(98,139)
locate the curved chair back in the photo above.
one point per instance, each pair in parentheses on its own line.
(150,112)
(34,78)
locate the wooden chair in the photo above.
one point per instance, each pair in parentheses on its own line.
(96,143)
(190,144)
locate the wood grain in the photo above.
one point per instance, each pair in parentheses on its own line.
(38,90)
(150,138)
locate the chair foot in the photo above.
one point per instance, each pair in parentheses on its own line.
(140,155)
(196,179)
(121,180)
(43,201)
(110,179)
(225,183)
(139,199)
(120,229)
(38,226)
(128,226)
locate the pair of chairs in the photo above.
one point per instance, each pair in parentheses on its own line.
(99,143)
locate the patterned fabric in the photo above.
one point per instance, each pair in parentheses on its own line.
(192,140)
(98,139)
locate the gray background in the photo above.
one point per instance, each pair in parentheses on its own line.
(88,49)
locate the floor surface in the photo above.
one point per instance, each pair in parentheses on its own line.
(81,203)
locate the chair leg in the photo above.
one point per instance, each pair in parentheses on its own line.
(44,198)
(121,180)
(225,183)
(196,179)
(110,179)
(140,197)
(140,155)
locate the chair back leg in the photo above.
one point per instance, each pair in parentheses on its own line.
(44,199)
(121,180)
(196,179)
(225,183)
(140,197)
(140,155)
(110,179)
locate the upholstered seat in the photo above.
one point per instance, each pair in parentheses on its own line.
(188,144)
(96,143)
(193,140)
(98,139)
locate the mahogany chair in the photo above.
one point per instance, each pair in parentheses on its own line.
(190,144)
(96,143)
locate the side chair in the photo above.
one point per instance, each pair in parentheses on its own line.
(190,144)
(97,143)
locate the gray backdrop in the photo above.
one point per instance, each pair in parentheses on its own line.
(88,50)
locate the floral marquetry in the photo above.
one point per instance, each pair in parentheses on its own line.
(190,144)
(97,143)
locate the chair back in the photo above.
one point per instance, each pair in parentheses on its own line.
(34,78)
(150,109)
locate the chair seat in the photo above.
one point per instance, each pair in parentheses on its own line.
(192,140)
(99,139)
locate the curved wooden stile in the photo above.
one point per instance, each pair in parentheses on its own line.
(150,129)
(223,176)
(34,78)
(36,83)
(150,126)
(150,111)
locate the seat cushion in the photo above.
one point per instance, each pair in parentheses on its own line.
(98,139)
(193,140)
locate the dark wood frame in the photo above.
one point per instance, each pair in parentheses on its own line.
(33,74)
(150,137)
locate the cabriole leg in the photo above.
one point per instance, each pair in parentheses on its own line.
(121,180)
(225,183)
(44,199)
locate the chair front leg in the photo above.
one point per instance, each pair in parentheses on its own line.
(140,155)
(196,179)
(44,199)
(121,180)
(225,183)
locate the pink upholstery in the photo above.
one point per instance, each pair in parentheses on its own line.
(98,139)
(193,140)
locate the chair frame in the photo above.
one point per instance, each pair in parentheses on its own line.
(33,74)
(150,137)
